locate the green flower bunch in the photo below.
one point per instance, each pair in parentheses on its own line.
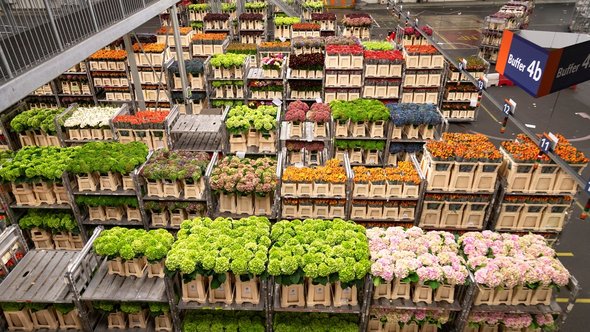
(34,164)
(374,45)
(64,308)
(255,5)
(228,7)
(313,4)
(241,118)
(365,145)
(235,321)
(228,60)
(95,201)
(213,247)
(176,165)
(359,110)
(157,308)
(36,118)
(198,7)
(286,20)
(296,322)
(105,306)
(105,157)
(54,221)
(131,307)
(130,243)
(323,250)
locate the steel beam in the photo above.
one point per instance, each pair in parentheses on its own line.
(22,85)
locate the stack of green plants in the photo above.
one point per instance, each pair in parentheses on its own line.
(209,247)
(279,21)
(49,220)
(105,157)
(192,208)
(34,164)
(176,165)
(128,243)
(215,321)
(362,144)
(113,201)
(155,308)
(229,60)
(323,250)
(375,45)
(35,119)
(241,118)
(359,110)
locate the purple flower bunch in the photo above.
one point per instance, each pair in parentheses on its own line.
(500,259)
(215,17)
(245,176)
(414,254)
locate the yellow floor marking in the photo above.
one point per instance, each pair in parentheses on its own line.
(565,254)
(447,41)
(490,113)
(565,300)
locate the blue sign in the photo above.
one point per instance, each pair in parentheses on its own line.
(545,144)
(574,66)
(587,187)
(525,64)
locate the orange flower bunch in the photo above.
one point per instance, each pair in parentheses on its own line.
(524,149)
(109,55)
(404,173)
(170,30)
(331,173)
(306,26)
(275,45)
(464,147)
(209,36)
(149,48)
(421,49)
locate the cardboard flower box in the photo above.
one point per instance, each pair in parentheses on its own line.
(194,290)
(292,295)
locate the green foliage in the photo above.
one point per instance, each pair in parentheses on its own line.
(157,308)
(324,250)
(220,321)
(55,221)
(36,118)
(287,20)
(218,84)
(313,4)
(229,60)
(199,7)
(228,7)
(296,322)
(105,157)
(34,307)
(131,243)
(130,307)
(95,201)
(359,110)
(105,306)
(255,5)
(241,118)
(214,247)
(197,24)
(64,308)
(32,164)
(223,103)
(377,45)
(11,306)
(362,144)
(176,165)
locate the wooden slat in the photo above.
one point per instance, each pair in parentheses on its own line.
(105,287)
(53,281)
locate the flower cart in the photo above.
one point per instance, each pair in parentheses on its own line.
(404,268)
(357,25)
(153,54)
(108,60)
(311,7)
(197,12)
(415,121)
(303,122)
(36,127)
(149,127)
(344,56)
(460,100)
(82,124)
(311,191)
(208,44)
(251,192)
(305,30)
(51,230)
(360,118)
(327,22)
(307,45)
(105,210)
(252,130)
(455,211)
(195,75)
(290,283)
(283,27)
(215,22)
(302,152)
(237,282)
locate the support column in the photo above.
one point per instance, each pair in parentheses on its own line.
(134,72)
(178,46)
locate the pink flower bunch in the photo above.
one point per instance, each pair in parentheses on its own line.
(245,176)
(357,20)
(319,113)
(431,256)
(275,61)
(296,111)
(489,318)
(500,259)
(515,321)
(344,49)
(418,316)
(545,320)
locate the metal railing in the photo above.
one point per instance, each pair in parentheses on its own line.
(32,31)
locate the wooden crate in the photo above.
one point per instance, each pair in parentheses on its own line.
(530,216)
(518,175)
(452,214)
(462,176)
(431,215)
(509,216)
(473,215)
(553,217)
(486,175)
(438,173)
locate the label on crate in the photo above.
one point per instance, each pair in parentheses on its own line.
(473,103)
(293,291)
(241,154)
(277,102)
(247,290)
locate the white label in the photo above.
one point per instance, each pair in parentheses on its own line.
(282,39)
(247,290)
(320,290)
(293,291)
(405,216)
(277,102)
(318,100)
(473,102)
(241,154)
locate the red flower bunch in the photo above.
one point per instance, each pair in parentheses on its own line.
(421,49)
(306,27)
(393,56)
(319,113)
(427,30)
(344,49)
(409,31)
(296,111)
(141,119)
